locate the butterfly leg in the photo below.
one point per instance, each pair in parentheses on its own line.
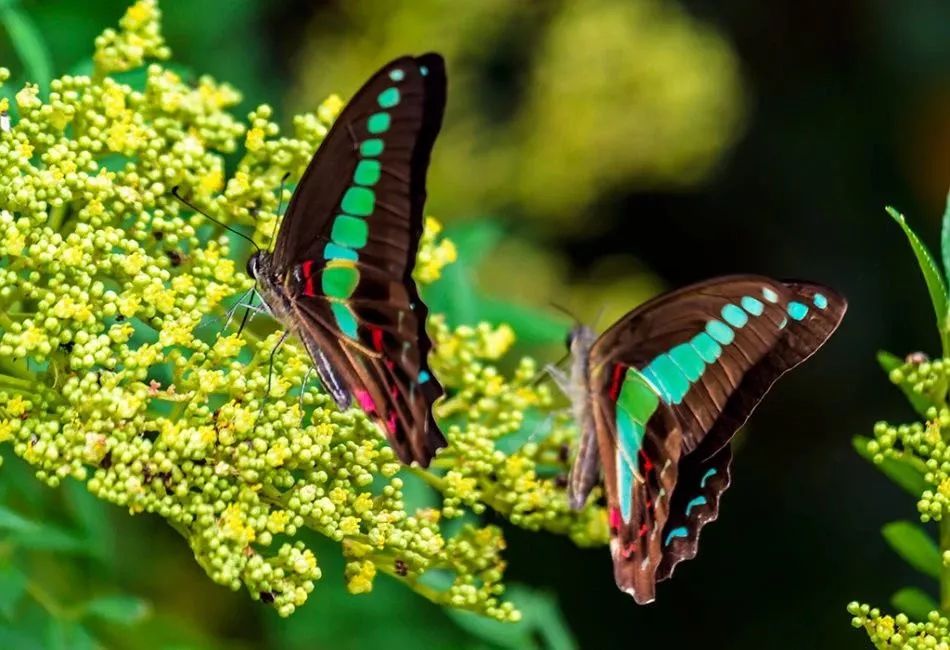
(303,386)
(561,378)
(270,366)
(236,306)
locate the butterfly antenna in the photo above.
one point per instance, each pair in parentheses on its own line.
(600,314)
(207,216)
(280,209)
(567,312)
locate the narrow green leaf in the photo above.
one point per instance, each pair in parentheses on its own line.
(912,543)
(945,239)
(51,538)
(932,276)
(68,635)
(531,324)
(125,610)
(13,522)
(920,402)
(92,516)
(901,472)
(542,624)
(12,588)
(914,602)
(28,43)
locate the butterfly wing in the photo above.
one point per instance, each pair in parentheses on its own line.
(672,382)
(348,247)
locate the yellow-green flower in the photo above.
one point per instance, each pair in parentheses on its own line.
(116,295)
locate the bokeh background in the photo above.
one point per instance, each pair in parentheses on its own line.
(596,152)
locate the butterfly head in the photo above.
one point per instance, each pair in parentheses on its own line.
(579,340)
(253,265)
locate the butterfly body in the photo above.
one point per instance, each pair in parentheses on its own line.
(340,275)
(667,387)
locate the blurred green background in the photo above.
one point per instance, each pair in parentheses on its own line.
(594,153)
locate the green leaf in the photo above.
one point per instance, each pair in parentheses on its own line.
(12,588)
(542,625)
(932,276)
(532,325)
(914,602)
(125,610)
(945,239)
(900,471)
(921,403)
(68,635)
(52,538)
(92,516)
(912,543)
(13,522)
(28,43)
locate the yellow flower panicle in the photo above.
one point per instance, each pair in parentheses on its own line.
(920,448)
(116,368)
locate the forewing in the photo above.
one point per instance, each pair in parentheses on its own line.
(348,245)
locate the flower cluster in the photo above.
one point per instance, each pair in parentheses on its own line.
(921,450)
(899,631)
(117,367)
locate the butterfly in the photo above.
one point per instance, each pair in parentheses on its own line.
(659,396)
(339,277)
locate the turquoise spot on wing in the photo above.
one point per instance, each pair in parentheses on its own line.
(709,473)
(423,377)
(734,316)
(650,375)
(797,310)
(349,231)
(753,305)
(345,319)
(688,360)
(388,98)
(820,301)
(624,488)
(397,75)
(637,397)
(339,281)
(334,252)
(670,377)
(676,532)
(372,147)
(423,70)
(720,331)
(378,122)
(769,295)
(706,347)
(358,201)
(635,405)
(698,501)
(367,172)
(629,439)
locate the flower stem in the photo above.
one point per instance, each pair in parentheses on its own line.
(944,566)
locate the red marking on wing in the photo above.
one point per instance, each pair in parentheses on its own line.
(391,422)
(647,463)
(366,402)
(644,529)
(616,381)
(614,518)
(628,550)
(377,339)
(306,268)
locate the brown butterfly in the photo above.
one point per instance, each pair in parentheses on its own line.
(340,275)
(659,396)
